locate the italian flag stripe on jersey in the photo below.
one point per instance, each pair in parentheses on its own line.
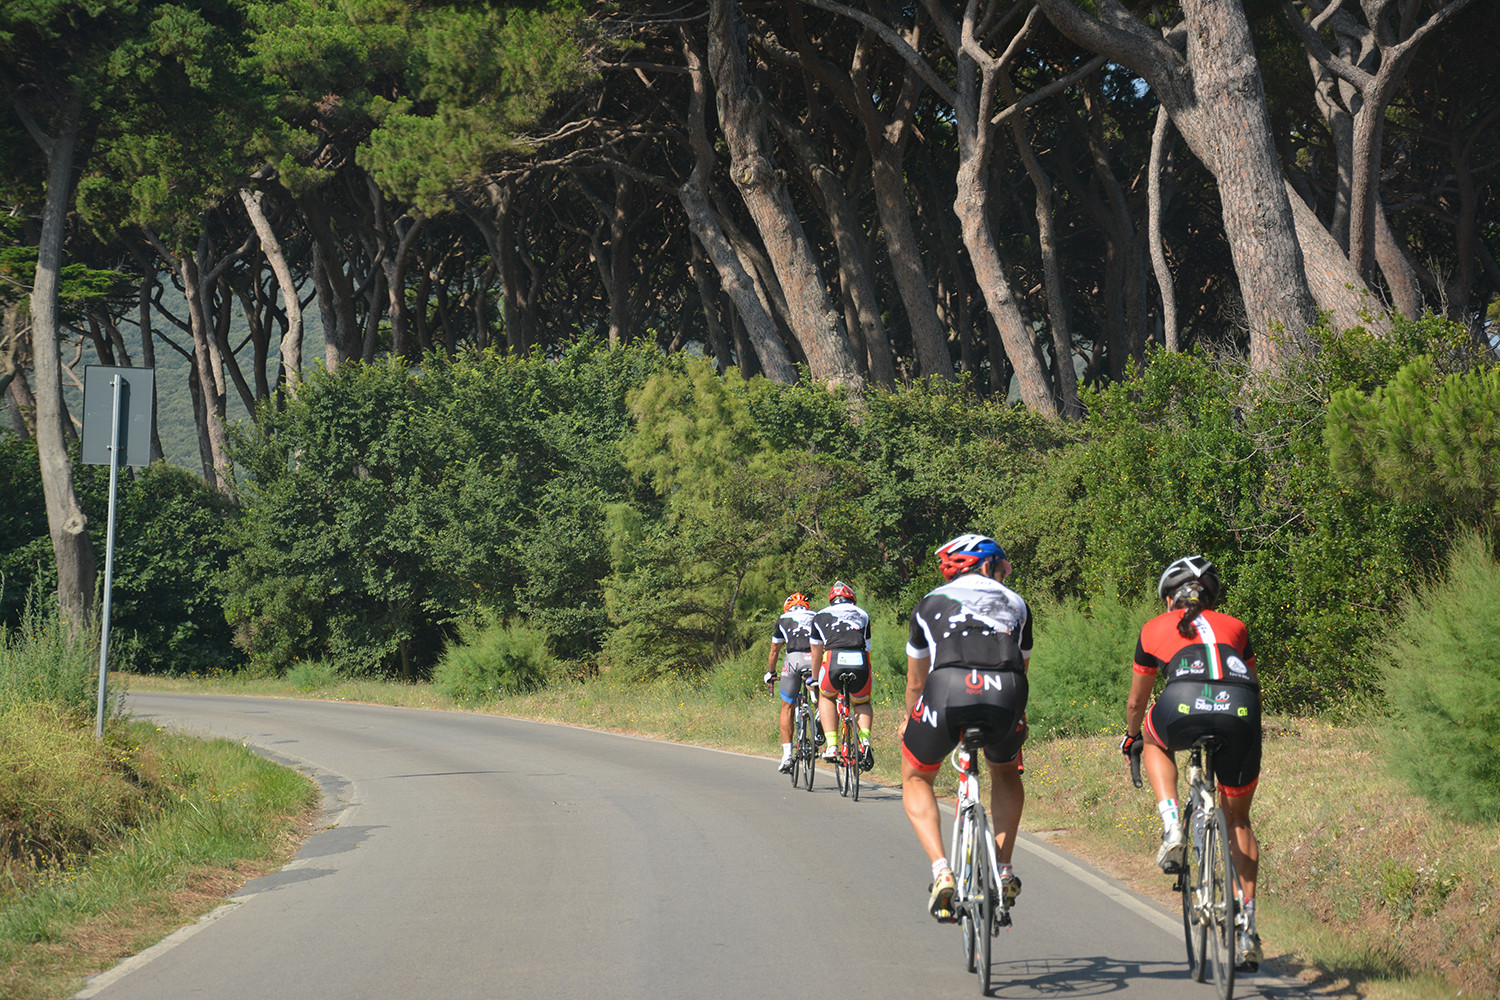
(1206,633)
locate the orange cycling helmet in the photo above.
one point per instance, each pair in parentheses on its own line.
(840,591)
(797,600)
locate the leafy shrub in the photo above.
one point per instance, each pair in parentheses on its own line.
(492,659)
(312,675)
(1083,658)
(40,660)
(739,677)
(1442,677)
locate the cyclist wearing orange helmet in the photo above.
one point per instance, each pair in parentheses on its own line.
(791,641)
(843,630)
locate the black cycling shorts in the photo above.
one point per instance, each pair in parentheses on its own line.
(956,698)
(1188,710)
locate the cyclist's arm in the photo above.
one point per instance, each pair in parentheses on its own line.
(816,652)
(776,643)
(916,679)
(1139,697)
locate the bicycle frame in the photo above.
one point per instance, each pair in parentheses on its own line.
(965,760)
(1207,920)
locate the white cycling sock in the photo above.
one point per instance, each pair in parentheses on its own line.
(1169,816)
(938,866)
(786,750)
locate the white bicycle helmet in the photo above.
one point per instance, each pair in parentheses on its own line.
(1186,570)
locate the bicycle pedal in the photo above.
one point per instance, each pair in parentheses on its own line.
(1002,920)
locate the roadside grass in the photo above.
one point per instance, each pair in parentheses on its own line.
(1365,890)
(210,815)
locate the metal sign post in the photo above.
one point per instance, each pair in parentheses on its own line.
(126,411)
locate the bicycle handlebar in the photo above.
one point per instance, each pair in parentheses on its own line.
(1135,769)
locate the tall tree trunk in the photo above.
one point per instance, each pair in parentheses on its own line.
(813,316)
(208,365)
(1216,99)
(973,110)
(854,267)
(756,324)
(1160,136)
(66,523)
(291,303)
(1059,317)
(335,288)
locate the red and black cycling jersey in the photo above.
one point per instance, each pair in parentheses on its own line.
(842,626)
(794,630)
(971,622)
(1220,654)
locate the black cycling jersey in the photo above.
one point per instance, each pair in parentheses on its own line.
(794,629)
(971,622)
(842,626)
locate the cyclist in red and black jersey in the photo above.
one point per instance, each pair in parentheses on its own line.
(842,632)
(791,640)
(1211,689)
(966,660)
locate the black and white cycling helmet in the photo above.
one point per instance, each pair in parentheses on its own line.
(1187,570)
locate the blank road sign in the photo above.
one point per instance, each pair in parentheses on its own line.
(135,413)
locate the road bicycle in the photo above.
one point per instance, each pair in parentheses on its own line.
(804,739)
(1207,882)
(846,757)
(978,903)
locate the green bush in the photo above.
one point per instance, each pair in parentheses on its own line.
(312,675)
(1442,678)
(739,677)
(1083,658)
(491,659)
(40,660)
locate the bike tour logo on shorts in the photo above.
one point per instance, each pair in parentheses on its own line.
(1212,701)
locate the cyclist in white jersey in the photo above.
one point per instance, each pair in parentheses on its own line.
(966,661)
(842,632)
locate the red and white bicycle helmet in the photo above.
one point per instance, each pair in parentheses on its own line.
(840,593)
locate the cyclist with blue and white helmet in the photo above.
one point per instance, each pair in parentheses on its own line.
(966,660)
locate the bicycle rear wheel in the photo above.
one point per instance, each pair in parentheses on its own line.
(809,763)
(854,769)
(985,890)
(799,733)
(1218,872)
(1194,931)
(963,895)
(842,772)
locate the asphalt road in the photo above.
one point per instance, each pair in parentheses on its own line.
(476,856)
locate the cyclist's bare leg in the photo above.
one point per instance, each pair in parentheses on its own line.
(786,723)
(1007,799)
(920,802)
(828,713)
(1161,770)
(864,717)
(1243,846)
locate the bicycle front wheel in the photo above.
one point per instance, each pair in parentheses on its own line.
(985,891)
(1218,874)
(963,893)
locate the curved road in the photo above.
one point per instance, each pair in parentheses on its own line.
(478,856)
